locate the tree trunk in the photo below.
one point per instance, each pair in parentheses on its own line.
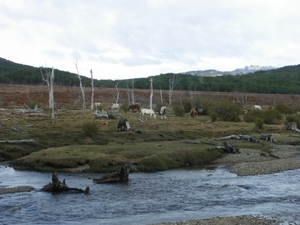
(151,95)
(81,87)
(92,83)
(51,94)
(132,92)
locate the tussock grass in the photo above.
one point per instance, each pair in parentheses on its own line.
(162,144)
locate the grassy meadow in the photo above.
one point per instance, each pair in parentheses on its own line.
(175,142)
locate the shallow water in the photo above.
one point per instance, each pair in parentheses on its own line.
(151,197)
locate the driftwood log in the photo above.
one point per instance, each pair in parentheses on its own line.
(121,175)
(107,115)
(17,141)
(292,126)
(267,137)
(239,137)
(58,186)
(227,148)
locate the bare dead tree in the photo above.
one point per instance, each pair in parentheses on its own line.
(172,85)
(128,94)
(118,94)
(52,94)
(151,95)
(132,91)
(92,83)
(81,87)
(48,77)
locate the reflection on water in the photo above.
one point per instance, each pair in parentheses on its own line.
(150,197)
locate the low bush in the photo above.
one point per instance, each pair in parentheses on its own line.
(124,107)
(90,128)
(259,122)
(271,116)
(178,110)
(187,104)
(227,111)
(213,116)
(284,109)
(293,118)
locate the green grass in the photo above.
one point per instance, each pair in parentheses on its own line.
(163,144)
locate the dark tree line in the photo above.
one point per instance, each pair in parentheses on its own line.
(285,80)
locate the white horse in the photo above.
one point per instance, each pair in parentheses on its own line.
(97,104)
(162,112)
(148,111)
(258,107)
(115,106)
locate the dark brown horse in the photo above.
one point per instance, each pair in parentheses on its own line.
(197,111)
(123,124)
(134,107)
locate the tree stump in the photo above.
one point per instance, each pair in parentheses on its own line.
(292,126)
(121,175)
(58,186)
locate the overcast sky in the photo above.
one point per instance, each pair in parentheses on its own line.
(122,39)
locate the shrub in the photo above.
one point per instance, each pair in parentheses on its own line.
(213,116)
(284,109)
(178,110)
(90,128)
(227,111)
(272,116)
(293,118)
(187,104)
(259,122)
(124,107)
(252,115)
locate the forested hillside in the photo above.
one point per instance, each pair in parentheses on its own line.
(285,80)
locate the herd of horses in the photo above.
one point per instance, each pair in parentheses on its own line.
(123,123)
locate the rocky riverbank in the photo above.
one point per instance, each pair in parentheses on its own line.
(232,220)
(252,162)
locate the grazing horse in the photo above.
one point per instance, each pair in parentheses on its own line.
(123,124)
(258,107)
(115,106)
(196,111)
(162,112)
(148,111)
(98,104)
(134,107)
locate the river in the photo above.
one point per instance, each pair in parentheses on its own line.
(151,197)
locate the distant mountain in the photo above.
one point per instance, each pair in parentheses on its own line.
(239,71)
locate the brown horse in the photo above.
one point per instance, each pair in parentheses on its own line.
(197,111)
(134,107)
